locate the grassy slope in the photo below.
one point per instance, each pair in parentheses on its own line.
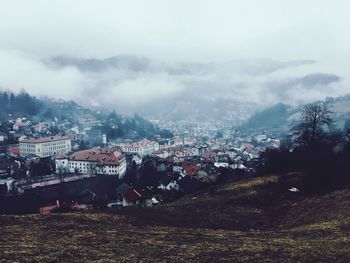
(252,220)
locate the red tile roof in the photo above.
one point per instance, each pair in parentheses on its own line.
(61,156)
(139,144)
(105,156)
(45,139)
(132,195)
(249,147)
(191,169)
(14,150)
(209,154)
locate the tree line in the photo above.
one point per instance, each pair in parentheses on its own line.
(315,147)
(20,103)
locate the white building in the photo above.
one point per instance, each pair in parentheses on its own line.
(137,159)
(87,120)
(3,137)
(261,138)
(108,161)
(104,139)
(172,185)
(144,147)
(163,154)
(45,147)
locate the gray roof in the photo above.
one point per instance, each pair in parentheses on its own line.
(123,188)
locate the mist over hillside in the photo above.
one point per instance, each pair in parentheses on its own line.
(46,109)
(231,90)
(172,90)
(227,60)
(178,90)
(283,116)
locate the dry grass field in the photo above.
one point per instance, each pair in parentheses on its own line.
(255,220)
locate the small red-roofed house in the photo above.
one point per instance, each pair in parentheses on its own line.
(136,197)
(13,150)
(191,169)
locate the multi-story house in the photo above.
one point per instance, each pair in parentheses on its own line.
(108,161)
(143,148)
(46,146)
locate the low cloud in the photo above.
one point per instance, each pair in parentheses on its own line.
(138,84)
(164,57)
(19,71)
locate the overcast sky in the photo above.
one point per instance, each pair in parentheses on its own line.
(168,31)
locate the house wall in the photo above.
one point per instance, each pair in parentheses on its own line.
(172,186)
(143,150)
(137,160)
(3,138)
(85,167)
(130,203)
(62,166)
(45,149)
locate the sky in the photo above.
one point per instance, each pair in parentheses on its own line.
(169,32)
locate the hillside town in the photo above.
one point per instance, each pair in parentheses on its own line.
(174,131)
(52,165)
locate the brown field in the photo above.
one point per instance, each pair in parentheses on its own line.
(256,220)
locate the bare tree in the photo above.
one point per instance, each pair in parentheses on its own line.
(315,120)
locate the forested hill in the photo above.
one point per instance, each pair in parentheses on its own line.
(41,109)
(57,110)
(273,117)
(283,116)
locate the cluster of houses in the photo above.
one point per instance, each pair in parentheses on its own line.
(33,156)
